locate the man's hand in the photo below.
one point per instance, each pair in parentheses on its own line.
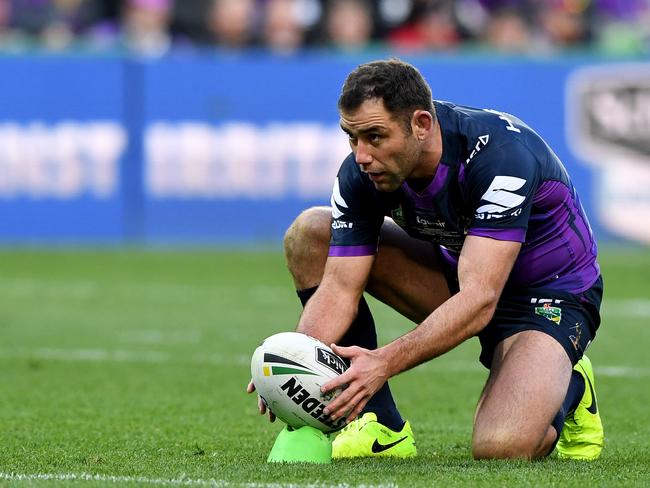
(365,376)
(260,403)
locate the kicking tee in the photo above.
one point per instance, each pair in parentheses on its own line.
(497,178)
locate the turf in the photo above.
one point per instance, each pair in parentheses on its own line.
(129,367)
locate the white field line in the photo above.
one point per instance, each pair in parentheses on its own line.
(121,356)
(154,337)
(242,360)
(634,307)
(608,371)
(630,307)
(85,289)
(183,481)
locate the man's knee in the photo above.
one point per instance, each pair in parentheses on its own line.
(504,445)
(306,244)
(512,444)
(311,227)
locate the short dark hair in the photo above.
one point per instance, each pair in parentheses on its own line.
(400,85)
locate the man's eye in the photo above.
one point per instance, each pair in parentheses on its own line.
(353,140)
(374,138)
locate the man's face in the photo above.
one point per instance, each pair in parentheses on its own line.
(380,145)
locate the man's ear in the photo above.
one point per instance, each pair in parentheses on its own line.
(421,124)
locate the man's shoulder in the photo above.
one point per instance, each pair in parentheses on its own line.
(350,175)
(482,128)
(488,141)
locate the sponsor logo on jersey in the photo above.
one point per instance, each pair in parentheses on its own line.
(554,314)
(332,361)
(576,336)
(425,221)
(548,308)
(340,224)
(480,144)
(507,118)
(541,301)
(397,214)
(338,203)
(502,201)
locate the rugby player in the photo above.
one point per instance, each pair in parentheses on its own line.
(466,222)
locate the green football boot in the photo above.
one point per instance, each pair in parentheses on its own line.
(582,436)
(366,437)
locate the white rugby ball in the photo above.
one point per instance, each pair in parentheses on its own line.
(288,370)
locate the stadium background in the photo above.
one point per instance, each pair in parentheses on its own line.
(138,123)
(153,152)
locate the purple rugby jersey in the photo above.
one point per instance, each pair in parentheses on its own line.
(497,178)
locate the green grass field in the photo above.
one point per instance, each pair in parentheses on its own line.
(128,368)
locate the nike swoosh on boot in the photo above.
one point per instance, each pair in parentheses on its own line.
(377,447)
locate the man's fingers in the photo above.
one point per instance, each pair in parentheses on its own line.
(339,402)
(347,408)
(338,382)
(345,352)
(264,409)
(261,406)
(350,408)
(357,409)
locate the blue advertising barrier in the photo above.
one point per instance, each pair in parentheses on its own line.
(61,140)
(209,148)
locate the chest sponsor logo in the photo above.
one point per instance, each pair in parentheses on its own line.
(430,225)
(424,221)
(427,224)
(397,214)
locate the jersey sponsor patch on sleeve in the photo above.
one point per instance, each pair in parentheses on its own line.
(500,199)
(339,206)
(337,201)
(356,216)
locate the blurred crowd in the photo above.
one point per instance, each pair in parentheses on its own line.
(154,27)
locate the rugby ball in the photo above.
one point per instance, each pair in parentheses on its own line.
(288,370)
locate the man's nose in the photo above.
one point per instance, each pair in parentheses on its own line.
(363,156)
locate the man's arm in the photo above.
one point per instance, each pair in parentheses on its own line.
(483,269)
(331,310)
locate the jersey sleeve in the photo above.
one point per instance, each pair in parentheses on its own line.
(501,184)
(356,216)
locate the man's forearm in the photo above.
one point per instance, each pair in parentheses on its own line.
(456,320)
(328,314)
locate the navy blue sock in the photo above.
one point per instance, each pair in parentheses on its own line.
(573,397)
(362,333)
